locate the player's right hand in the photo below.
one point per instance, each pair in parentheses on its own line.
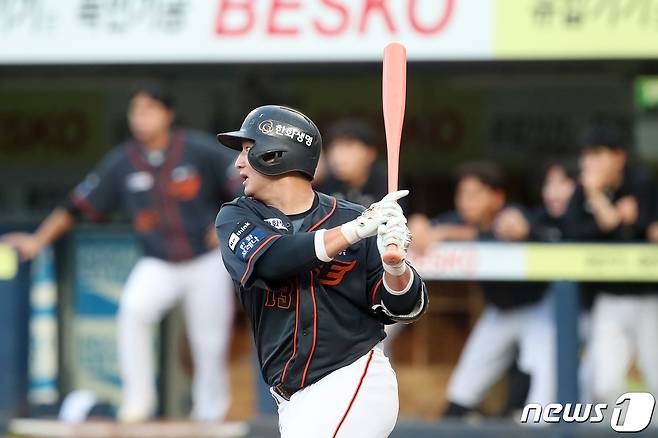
(27,245)
(377,214)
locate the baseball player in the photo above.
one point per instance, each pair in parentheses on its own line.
(614,203)
(171,184)
(516,314)
(309,274)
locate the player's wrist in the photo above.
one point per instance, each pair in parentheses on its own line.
(320,246)
(404,290)
(395,270)
(349,231)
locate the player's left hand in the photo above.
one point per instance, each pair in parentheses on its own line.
(377,214)
(211,239)
(511,225)
(394,232)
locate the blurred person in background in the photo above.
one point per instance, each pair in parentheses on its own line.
(613,204)
(558,184)
(171,183)
(353,173)
(517,318)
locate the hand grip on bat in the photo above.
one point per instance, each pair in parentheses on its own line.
(393,256)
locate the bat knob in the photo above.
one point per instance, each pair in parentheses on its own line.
(392,256)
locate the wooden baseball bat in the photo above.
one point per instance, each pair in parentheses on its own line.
(394,93)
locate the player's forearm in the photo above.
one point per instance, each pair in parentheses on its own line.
(287,256)
(398,282)
(335,242)
(300,252)
(401,293)
(58,223)
(605,213)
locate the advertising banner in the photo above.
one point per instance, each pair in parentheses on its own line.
(583,29)
(209,31)
(145,31)
(538,261)
(103,260)
(47,126)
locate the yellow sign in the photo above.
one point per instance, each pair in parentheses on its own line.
(576,29)
(8,262)
(592,262)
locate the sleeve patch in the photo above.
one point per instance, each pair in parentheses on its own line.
(247,242)
(243,228)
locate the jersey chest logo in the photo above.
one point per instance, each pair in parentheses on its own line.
(185,183)
(333,274)
(139,181)
(277,223)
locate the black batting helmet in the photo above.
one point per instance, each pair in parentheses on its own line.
(285,140)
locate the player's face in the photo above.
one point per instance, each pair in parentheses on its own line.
(148,118)
(476,202)
(557,191)
(350,160)
(604,163)
(254,183)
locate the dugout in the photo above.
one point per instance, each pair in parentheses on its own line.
(480,91)
(56,122)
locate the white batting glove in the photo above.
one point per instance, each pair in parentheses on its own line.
(377,214)
(394,232)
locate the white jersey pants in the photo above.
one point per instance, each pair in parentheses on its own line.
(491,348)
(359,400)
(623,327)
(153,288)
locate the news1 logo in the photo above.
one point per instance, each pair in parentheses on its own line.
(632,412)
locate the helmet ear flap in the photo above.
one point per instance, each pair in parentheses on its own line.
(272,156)
(267,162)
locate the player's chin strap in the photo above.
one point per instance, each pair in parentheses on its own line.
(412,316)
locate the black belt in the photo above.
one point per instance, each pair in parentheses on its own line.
(284,392)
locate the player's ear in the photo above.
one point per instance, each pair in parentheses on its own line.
(172,116)
(372,154)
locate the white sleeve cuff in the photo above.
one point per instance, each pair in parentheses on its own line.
(320,249)
(403,291)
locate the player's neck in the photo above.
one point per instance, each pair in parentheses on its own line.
(158,142)
(358,181)
(291,195)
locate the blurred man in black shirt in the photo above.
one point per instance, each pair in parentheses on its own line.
(516,318)
(614,204)
(354,172)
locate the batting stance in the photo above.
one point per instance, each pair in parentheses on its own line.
(309,274)
(170,182)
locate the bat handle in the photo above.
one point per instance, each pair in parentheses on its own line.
(392,256)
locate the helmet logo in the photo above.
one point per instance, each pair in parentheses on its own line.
(275,128)
(266,127)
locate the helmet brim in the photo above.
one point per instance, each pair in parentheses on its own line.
(233,139)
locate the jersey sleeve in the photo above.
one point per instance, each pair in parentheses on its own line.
(242,240)
(98,194)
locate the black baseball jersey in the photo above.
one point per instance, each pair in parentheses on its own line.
(171,197)
(373,189)
(580,224)
(318,320)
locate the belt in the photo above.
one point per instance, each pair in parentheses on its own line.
(284,392)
